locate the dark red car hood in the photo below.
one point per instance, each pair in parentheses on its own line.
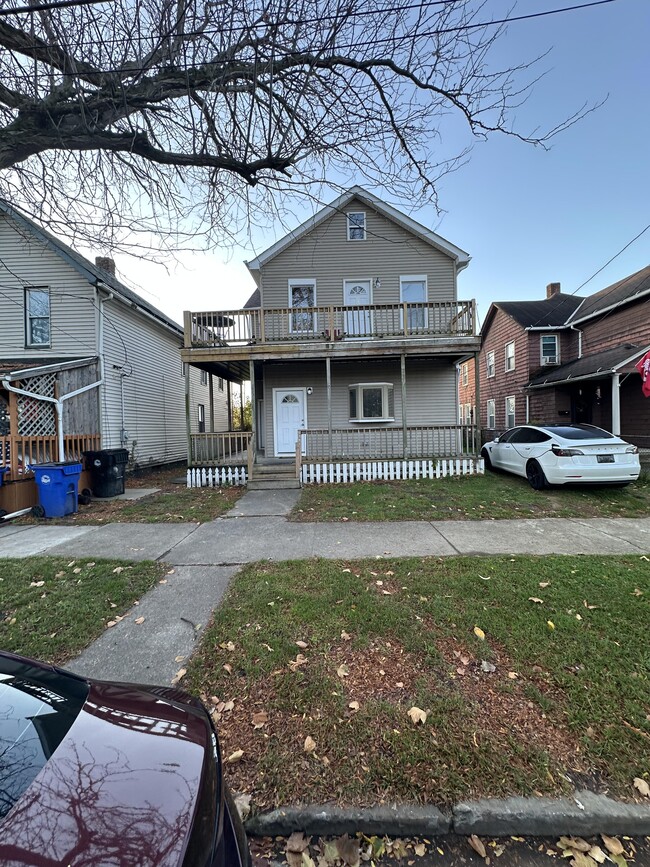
(120,789)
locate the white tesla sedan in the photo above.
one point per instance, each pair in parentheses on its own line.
(560,454)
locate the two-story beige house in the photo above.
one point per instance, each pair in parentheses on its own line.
(351,341)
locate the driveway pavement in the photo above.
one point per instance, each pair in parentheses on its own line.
(203,559)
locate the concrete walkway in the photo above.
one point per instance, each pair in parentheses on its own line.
(203,559)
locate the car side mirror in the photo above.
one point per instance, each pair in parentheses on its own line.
(495,440)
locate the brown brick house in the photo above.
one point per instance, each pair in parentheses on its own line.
(567,358)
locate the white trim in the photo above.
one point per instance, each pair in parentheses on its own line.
(489,401)
(29,343)
(505,356)
(461,257)
(303,389)
(386,389)
(350,336)
(348,226)
(543,359)
(600,311)
(291,282)
(489,375)
(513,398)
(415,278)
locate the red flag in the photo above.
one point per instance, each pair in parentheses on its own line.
(643,367)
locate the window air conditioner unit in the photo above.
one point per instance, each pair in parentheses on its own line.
(549,359)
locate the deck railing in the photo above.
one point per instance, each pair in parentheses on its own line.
(436,441)
(223,448)
(19,453)
(332,323)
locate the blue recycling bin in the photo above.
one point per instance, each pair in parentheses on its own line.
(3,470)
(58,487)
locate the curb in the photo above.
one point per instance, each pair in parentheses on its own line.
(585,814)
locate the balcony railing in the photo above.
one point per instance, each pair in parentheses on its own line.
(287,324)
(344,444)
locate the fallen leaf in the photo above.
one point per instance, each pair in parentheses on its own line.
(477,845)
(346,636)
(346,570)
(587,605)
(111,623)
(297,842)
(597,854)
(550,625)
(343,670)
(581,859)
(478,632)
(77,570)
(302,645)
(420,849)
(485,577)
(642,786)
(544,584)
(354,705)
(227,668)
(243,804)
(536,599)
(229,705)
(488,666)
(348,850)
(417,715)
(512,675)
(179,659)
(460,670)
(613,845)
(37,583)
(297,662)
(260,719)
(180,674)
(576,843)
(636,592)
(139,620)
(310,744)
(235,757)
(61,574)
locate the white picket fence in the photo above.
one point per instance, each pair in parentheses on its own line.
(370,471)
(216,477)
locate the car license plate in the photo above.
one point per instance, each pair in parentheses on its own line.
(605,459)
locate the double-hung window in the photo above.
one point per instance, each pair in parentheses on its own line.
(356,225)
(413,293)
(491,415)
(302,297)
(550,351)
(37,317)
(204,377)
(489,364)
(510,412)
(464,372)
(371,401)
(510,355)
(201,417)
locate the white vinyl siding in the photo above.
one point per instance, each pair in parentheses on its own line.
(431,391)
(389,253)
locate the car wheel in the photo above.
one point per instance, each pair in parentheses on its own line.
(238,828)
(488,463)
(535,476)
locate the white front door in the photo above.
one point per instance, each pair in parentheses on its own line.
(289,417)
(356,293)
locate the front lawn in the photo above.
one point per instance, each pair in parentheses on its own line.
(53,607)
(531,675)
(478,497)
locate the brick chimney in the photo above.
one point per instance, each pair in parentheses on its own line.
(108,264)
(552,289)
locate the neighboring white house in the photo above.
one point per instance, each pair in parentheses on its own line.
(68,324)
(351,342)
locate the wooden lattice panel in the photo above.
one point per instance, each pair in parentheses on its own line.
(37,417)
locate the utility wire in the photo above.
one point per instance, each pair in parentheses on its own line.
(43,7)
(392,40)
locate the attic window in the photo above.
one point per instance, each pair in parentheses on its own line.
(357,226)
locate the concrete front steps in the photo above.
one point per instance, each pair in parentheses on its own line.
(273,477)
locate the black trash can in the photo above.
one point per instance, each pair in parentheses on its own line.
(107,468)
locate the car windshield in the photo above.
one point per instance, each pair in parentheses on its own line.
(37,708)
(580,432)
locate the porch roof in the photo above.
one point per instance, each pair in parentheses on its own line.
(20,368)
(595,366)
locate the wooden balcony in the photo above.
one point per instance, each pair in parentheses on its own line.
(336,329)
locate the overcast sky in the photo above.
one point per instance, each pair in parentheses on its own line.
(527,216)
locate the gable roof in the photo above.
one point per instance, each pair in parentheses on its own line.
(460,256)
(596,365)
(628,289)
(550,312)
(87,269)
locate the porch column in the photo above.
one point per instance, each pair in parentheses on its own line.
(229,396)
(211,399)
(251,368)
(616,404)
(328,379)
(402,364)
(188,420)
(477,405)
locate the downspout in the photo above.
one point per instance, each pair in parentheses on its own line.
(58,406)
(100,347)
(573,328)
(616,404)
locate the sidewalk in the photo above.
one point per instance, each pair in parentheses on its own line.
(203,558)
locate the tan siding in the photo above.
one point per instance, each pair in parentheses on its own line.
(326,256)
(430,389)
(25,262)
